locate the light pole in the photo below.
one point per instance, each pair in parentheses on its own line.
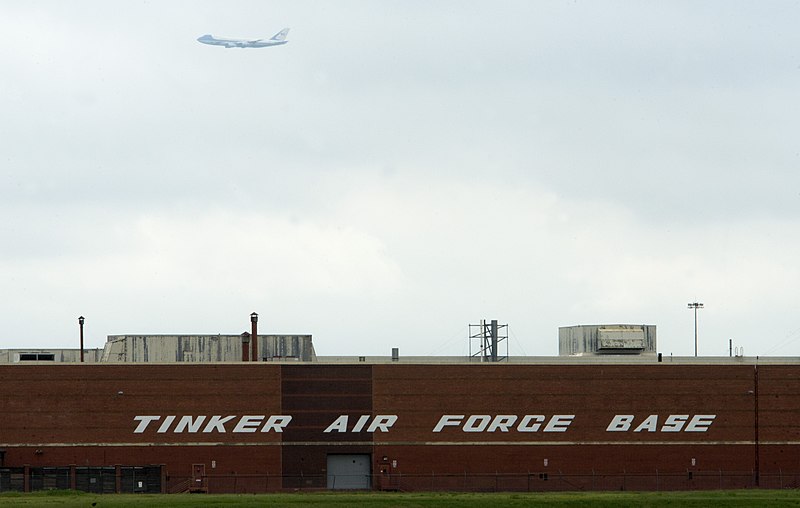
(80,323)
(695,306)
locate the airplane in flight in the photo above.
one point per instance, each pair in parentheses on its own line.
(276,40)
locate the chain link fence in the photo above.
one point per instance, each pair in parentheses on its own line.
(492,482)
(149,480)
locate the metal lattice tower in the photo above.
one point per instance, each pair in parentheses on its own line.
(488,337)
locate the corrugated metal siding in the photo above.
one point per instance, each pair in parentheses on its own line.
(605,339)
(203,348)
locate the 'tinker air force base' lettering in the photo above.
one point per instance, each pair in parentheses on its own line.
(276,40)
(382,423)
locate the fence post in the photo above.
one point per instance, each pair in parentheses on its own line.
(657,486)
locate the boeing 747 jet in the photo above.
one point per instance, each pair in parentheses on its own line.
(276,40)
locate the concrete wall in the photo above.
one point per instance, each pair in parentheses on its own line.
(59,355)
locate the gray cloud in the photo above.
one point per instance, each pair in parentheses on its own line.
(400,166)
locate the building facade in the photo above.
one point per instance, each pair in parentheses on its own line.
(272,426)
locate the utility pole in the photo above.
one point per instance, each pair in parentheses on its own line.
(695,306)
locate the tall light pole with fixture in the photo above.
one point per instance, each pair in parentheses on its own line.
(695,306)
(80,323)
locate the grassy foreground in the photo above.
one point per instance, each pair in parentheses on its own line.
(748,498)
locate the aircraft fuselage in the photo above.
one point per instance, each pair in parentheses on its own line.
(277,40)
(238,43)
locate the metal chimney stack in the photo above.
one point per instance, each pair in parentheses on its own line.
(254,337)
(245,347)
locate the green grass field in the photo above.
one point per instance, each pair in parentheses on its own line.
(386,500)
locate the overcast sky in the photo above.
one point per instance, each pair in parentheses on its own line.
(400,170)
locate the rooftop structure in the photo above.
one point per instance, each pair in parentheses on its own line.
(607,340)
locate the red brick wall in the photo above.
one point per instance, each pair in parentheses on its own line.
(84,414)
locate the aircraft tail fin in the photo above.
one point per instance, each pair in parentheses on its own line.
(280,36)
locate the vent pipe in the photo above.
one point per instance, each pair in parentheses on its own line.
(254,337)
(245,347)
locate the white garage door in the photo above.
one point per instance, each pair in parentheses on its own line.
(348,472)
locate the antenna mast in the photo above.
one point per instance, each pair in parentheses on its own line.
(488,338)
